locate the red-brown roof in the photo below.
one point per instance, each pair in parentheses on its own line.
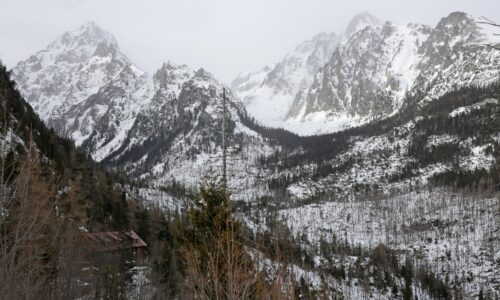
(114,240)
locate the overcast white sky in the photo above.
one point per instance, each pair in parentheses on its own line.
(225,37)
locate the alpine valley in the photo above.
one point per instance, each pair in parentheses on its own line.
(374,150)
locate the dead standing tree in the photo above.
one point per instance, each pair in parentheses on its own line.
(489,22)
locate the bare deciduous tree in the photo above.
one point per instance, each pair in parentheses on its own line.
(29,232)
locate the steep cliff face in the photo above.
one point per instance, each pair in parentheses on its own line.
(456,55)
(179,135)
(369,74)
(64,75)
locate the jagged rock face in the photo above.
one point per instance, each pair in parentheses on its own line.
(85,88)
(194,106)
(114,108)
(169,78)
(368,74)
(456,55)
(156,118)
(70,69)
(269,93)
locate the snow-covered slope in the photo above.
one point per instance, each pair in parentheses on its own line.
(366,77)
(456,133)
(376,185)
(269,93)
(451,234)
(67,73)
(109,114)
(277,93)
(178,137)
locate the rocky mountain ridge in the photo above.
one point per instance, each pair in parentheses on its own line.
(160,127)
(370,72)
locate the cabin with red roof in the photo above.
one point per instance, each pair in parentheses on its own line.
(115,241)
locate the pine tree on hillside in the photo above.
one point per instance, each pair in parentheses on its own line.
(217,263)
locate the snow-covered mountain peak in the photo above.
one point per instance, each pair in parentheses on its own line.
(361,21)
(94,34)
(205,79)
(278,95)
(169,65)
(203,74)
(295,71)
(88,35)
(366,77)
(269,93)
(320,88)
(457,27)
(370,73)
(455,55)
(170,77)
(456,18)
(168,69)
(69,50)
(246,81)
(462,29)
(60,79)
